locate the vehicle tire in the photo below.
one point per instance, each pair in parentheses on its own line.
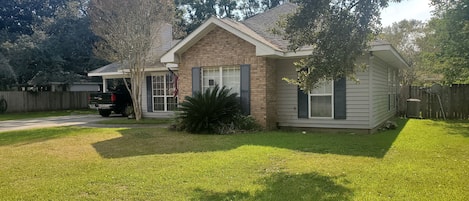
(104,113)
(128,110)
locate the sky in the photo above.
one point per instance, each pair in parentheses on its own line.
(407,9)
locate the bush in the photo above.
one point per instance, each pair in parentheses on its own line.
(240,123)
(214,111)
(207,112)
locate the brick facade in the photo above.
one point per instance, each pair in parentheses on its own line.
(221,48)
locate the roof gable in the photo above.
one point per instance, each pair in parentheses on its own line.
(263,46)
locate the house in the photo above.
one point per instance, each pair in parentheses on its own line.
(246,57)
(59,81)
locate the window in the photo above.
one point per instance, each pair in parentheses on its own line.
(163,86)
(321,100)
(392,89)
(228,76)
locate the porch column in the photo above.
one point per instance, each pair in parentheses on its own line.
(104,85)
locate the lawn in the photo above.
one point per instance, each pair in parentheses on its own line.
(423,160)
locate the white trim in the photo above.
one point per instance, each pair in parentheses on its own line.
(219,76)
(119,72)
(390,55)
(165,96)
(172,56)
(370,90)
(299,53)
(322,95)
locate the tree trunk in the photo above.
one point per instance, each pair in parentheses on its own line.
(137,79)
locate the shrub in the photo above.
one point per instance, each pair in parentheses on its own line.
(209,111)
(240,123)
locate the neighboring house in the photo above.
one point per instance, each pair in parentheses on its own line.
(248,58)
(60,81)
(75,86)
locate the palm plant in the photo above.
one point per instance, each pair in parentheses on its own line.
(208,111)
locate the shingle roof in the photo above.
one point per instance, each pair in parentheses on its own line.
(263,23)
(250,32)
(110,68)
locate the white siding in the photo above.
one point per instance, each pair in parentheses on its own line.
(358,110)
(84,87)
(380,108)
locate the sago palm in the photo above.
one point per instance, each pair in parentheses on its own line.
(207,111)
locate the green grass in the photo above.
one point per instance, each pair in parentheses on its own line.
(424,160)
(27,115)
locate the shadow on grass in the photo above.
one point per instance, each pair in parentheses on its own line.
(35,135)
(282,186)
(147,141)
(456,127)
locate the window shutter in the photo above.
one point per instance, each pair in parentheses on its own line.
(196,82)
(340,109)
(303,106)
(245,86)
(149,94)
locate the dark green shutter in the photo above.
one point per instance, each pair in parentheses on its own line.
(340,96)
(245,85)
(303,106)
(196,81)
(149,94)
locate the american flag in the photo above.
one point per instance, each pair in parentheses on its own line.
(176,78)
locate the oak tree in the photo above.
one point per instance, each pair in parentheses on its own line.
(338,31)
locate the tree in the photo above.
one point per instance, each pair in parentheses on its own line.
(448,40)
(248,8)
(19,17)
(192,13)
(407,37)
(53,43)
(129,29)
(338,31)
(197,11)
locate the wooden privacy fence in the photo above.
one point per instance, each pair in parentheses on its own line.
(452,103)
(23,101)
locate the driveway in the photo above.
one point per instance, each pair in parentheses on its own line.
(72,120)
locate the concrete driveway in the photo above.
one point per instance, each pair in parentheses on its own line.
(72,120)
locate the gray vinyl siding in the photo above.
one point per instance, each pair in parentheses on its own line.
(380,109)
(358,110)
